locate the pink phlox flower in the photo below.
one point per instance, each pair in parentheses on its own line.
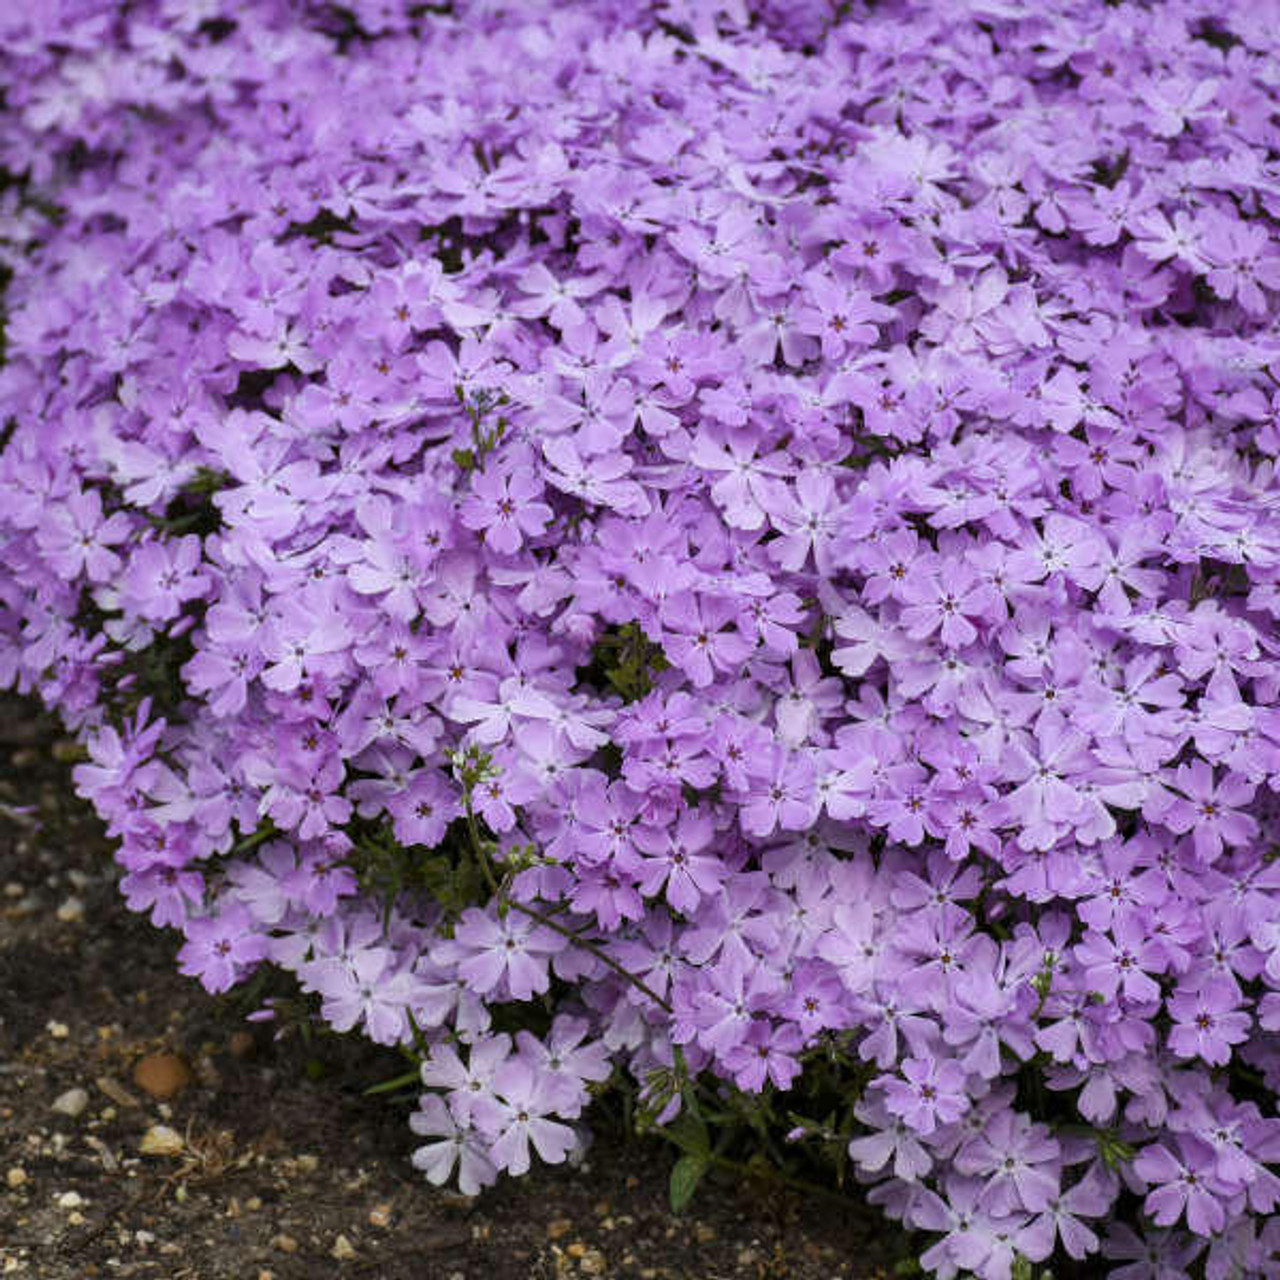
(767,1053)
(520,1121)
(700,636)
(946,602)
(1209,1021)
(1213,812)
(743,471)
(161,576)
(1121,962)
(724,1005)
(1090,1197)
(1018,1160)
(509,954)
(1182,1184)
(454,1146)
(599,479)
(785,798)
(1045,801)
(840,316)
(505,506)
(929,1092)
(222,947)
(469,1085)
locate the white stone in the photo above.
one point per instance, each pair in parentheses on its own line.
(71,911)
(72,1103)
(160,1140)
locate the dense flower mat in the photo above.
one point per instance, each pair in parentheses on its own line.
(703,542)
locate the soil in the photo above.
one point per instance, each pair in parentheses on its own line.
(286,1170)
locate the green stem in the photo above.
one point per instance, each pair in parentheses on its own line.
(421,1041)
(390,1086)
(254,840)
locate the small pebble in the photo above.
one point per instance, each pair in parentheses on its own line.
(71,911)
(160,1140)
(162,1075)
(105,1154)
(284,1244)
(307,1164)
(558,1227)
(116,1091)
(70,1200)
(15,1177)
(241,1044)
(72,1103)
(380,1215)
(58,1030)
(593,1263)
(343,1249)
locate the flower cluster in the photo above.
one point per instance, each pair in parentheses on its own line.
(750,526)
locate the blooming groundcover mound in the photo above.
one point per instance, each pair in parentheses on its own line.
(731,548)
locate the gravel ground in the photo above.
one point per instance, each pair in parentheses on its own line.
(240,1158)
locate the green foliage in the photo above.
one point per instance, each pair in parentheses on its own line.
(479,407)
(321,228)
(192,509)
(389,870)
(265,830)
(1113,1151)
(625,660)
(685,1176)
(154,671)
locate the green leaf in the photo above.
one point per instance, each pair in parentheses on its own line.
(389,1086)
(690,1134)
(685,1177)
(1114,1152)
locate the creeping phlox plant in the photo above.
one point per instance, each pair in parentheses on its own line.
(730,546)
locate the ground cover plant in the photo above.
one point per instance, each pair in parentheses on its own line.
(722,550)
